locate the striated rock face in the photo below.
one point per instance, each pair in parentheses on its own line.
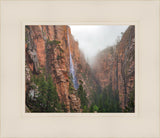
(47,52)
(75,103)
(116,65)
(47,48)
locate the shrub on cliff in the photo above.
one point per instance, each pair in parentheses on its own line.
(59,57)
(53,42)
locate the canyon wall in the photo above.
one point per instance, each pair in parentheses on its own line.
(116,66)
(47,51)
(47,48)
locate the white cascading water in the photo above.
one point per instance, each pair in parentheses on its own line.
(72,71)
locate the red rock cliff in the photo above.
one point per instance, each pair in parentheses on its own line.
(43,51)
(116,65)
(47,47)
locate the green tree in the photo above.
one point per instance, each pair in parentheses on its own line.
(100,103)
(85,109)
(107,100)
(91,108)
(82,95)
(47,99)
(131,103)
(42,96)
(52,96)
(95,108)
(64,107)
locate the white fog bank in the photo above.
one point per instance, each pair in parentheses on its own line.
(94,38)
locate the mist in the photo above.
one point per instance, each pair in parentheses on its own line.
(94,38)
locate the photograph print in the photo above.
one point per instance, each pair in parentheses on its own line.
(79,68)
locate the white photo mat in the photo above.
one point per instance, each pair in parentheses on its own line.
(16,14)
(82,22)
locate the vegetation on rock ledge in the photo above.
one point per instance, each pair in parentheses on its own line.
(45,99)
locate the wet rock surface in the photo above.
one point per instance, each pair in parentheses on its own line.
(47,49)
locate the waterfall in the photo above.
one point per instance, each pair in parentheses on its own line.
(72,71)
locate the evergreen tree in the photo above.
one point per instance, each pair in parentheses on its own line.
(52,96)
(47,98)
(131,103)
(64,107)
(82,95)
(42,96)
(101,103)
(95,108)
(106,101)
(85,109)
(91,108)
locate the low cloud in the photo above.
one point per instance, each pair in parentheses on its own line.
(94,38)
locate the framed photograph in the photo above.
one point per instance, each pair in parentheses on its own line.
(75,76)
(80,68)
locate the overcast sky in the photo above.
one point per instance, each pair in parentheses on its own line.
(93,38)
